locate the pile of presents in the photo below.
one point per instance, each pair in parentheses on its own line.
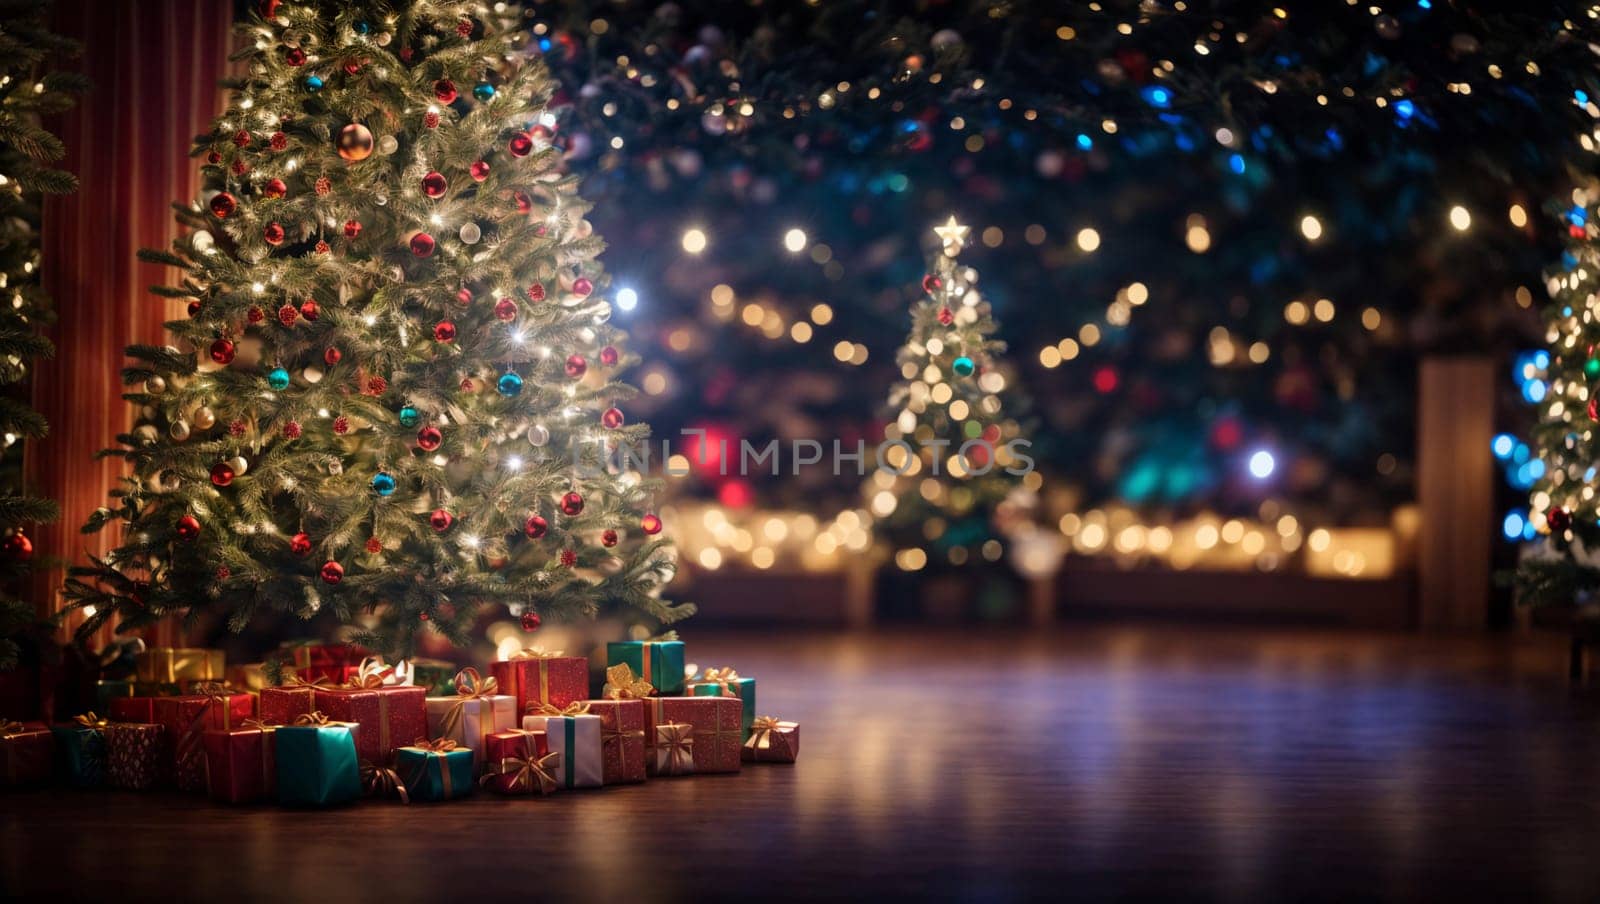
(340,728)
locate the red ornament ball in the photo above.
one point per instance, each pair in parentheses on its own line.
(524,204)
(434,185)
(609,356)
(429,438)
(237,428)
(480,170)
(222,351)
(291,430)
(224,572)
(467,385)
(377,386)
(295,57)
(188,527)
(464,297)
(300,544)
(505,309)
(213,158)
(444,331)
(288,314)
(341,425)
(1594,408)
(323,186)
(572,504)
(441,520)
(430,119)
(608,539)
(240,167)
(422,245)
(274,189)
(536,293)
(332,572)
(946,316)
(222,474)
(650,524)
(18,546)
(374,545)
(1559,520)
(464,28)
(576,366)
(531,621)
(422,616)
(255,315)
(582,286)
(520,145)
(278,141)
(223,205)
(241,138)
(535,527)
(444,91)
(332,356)
(569,558)
(309,309)
(611,418)
(323,247)
(194,308)
(273,233)
(352,228)
(931,283)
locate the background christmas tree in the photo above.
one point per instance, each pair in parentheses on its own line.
(396,390)
(27,151)
(949,441)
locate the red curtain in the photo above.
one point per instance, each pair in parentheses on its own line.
(155,65)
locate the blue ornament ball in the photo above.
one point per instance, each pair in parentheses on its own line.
(484,91)
(509,385)
(363,27)
(278,378)
(313,84)
(383,483)
(963,366)
(409,416)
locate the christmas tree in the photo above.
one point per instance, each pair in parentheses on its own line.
(951,452)
(27,151)
(395,395)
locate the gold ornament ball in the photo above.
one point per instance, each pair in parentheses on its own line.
(179,430)
(355,142)
(239,465)
(155,386)
(204,419)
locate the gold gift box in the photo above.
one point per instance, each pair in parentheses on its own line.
(173,664)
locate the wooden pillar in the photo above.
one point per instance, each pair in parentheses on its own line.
(1455,491)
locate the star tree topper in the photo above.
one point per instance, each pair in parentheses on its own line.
(953,235)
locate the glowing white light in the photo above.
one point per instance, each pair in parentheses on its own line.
(519,337)
(795,240)
(1262,464)
(694,241)
(627,299)
(514,462)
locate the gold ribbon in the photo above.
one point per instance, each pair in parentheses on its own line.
(10,729)
(90,720)
(439,747)
(536,653)
(316,718)
(675,748)
(575,708)
(191,745)
(469,686)
(762,730)
(269,772)
(719,678)
(530,770)
(664,637)
(379,781)
(623,684)
(321,681)
(370,674)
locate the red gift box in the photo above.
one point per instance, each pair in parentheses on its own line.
(133,709)
(279,705)
(240,766)
(134,754)
(622,739)
(535,677)
(715,723)
(390,716)
(26,753)
(187,718)
(520,762)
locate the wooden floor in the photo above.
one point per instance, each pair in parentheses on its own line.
(1105,762)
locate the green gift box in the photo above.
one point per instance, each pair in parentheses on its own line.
(438,771)
(317,764)
(82,751)
(106,691)
(727,683)
(659,662)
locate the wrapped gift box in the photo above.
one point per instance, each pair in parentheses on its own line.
(622,739)
(241,767)
(520,762)
(82,750)
(470,718)
(173,664)
(659,662)
(576,738)
(714,722)
(672,749)
(772,741)
(107,691)
(435,770)
(282,704)
(389,716)
(317,764)
(250,676)
(186,720)
(27,752)
(335,662)
(727,683)
(536,677)
(135,753)
(133,709)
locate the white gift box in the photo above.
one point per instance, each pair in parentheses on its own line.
(476,719)
(577,739)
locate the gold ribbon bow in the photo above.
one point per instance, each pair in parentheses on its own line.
(438,747)
(7,729)
(469,686)
(575,708)
(536,653)
(370,674)
(90,720)
(381,781)
(259,725)
(623,684)
(315,718)
(530,770)
(762,730)
(674,748)
(719,678)
(664,637)
(321,681)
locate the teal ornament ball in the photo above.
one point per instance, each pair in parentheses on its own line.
(383,483)
(278,378)
(313,84)
(409,416)
(509,385)
(363,27)
(963,366)
(483,91)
